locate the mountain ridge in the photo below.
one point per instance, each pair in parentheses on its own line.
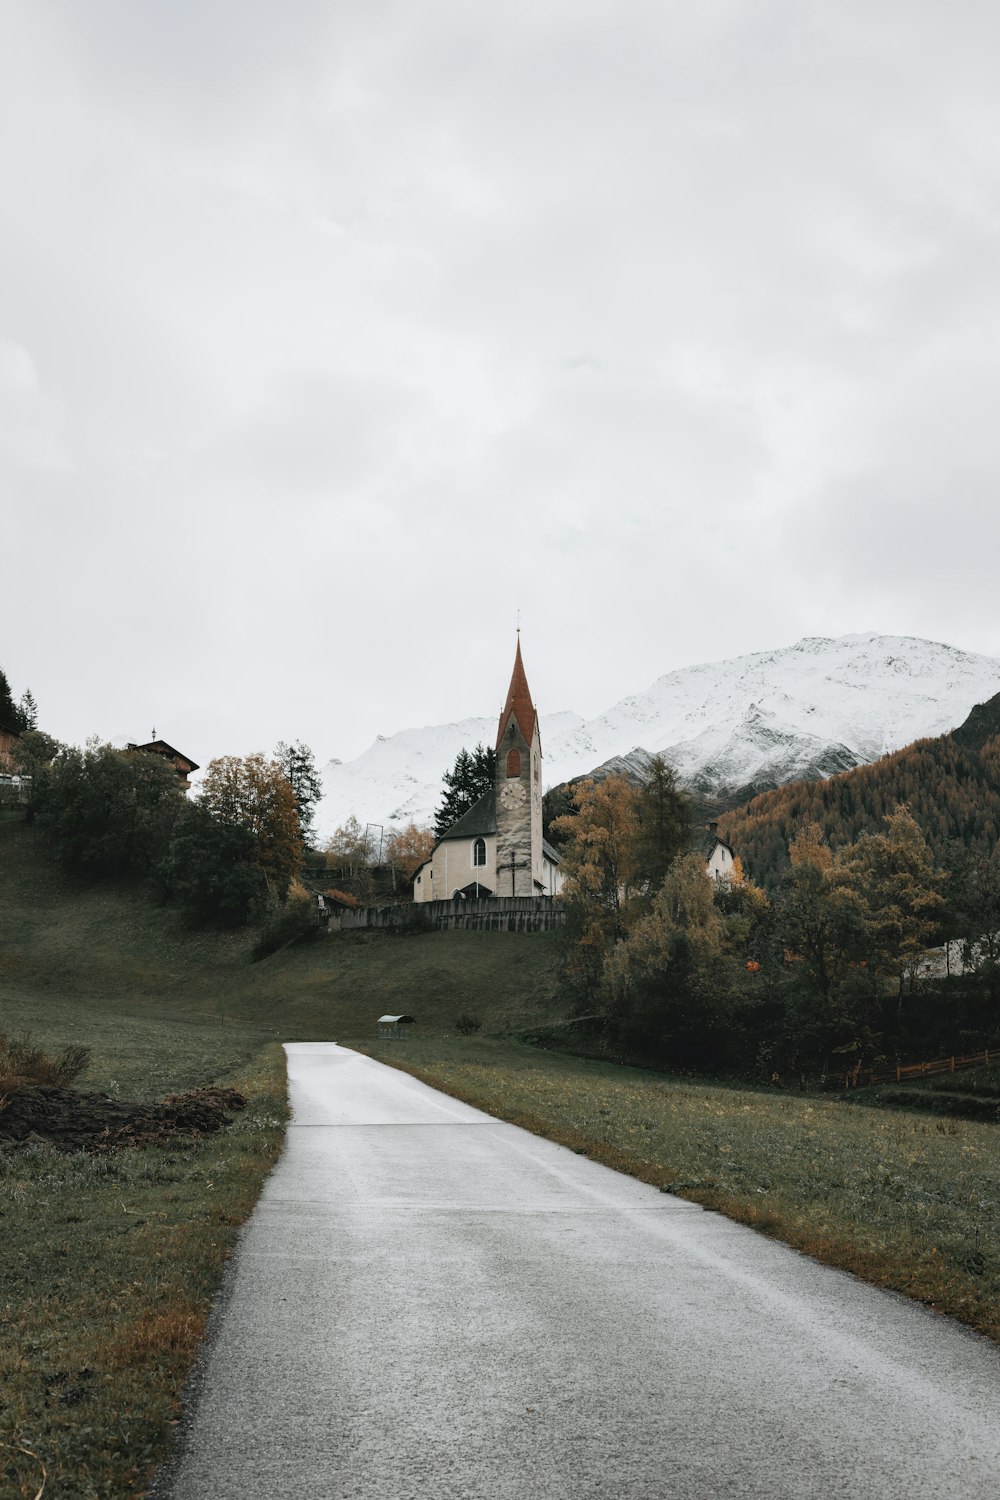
(735,726)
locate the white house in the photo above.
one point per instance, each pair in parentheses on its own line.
(721,858)
(497,848)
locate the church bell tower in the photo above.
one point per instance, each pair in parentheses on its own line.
(519,791)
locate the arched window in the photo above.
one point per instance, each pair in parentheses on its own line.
(513,763)
(479,852)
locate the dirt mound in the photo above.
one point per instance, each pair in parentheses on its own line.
(93,1122)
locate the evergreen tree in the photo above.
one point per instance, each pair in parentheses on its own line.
(299,767)
(10,714)
(28,711)
(470,778)
(664,822)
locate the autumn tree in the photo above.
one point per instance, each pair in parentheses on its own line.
(602,877)
(892,877)
(253,793)
(299,767)
(471,777)
(818,917)
(407,849)
(347,848)
(671,983)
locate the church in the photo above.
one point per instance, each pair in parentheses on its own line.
(496,848)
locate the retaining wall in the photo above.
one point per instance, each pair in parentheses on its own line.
(490,914)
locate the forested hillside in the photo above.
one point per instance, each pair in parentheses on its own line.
(951,785)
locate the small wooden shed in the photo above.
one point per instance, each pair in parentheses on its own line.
(394,1025)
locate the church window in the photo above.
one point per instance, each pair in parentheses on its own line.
(513,763)
(479,852)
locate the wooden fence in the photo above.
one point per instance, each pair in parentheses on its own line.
(903,1073)
(489,914)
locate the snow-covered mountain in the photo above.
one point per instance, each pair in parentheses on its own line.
(807,710)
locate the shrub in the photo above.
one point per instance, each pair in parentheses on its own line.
(22,1063)
(344,896)
(465,1025)
(296,918)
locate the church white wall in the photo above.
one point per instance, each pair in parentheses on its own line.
(451,869)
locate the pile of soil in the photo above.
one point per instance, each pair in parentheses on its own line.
(94,1122)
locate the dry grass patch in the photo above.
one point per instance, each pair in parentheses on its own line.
(110,1266)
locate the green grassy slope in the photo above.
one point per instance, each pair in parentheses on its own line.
(105,965)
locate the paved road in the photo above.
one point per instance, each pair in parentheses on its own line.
(430,1303)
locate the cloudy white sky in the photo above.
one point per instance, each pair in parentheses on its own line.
(332,334)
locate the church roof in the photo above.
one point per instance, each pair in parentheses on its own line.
(478,821)
(518,701)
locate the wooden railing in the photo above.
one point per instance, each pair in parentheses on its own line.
(902,1074)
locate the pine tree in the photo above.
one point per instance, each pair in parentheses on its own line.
(299,767)
(28,711)
(664,821)
(470,778)
(10,716)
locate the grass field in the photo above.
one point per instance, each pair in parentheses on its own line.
(110,1263)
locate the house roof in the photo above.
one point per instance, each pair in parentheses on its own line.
(160,747)
(518,701)
(551,854)
(712,843)
(478,821)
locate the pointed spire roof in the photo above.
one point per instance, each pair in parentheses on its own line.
(518,700)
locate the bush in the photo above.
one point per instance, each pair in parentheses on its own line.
(295,919)
(466,1024)
(22,1063)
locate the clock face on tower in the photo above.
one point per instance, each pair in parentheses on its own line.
(512,795)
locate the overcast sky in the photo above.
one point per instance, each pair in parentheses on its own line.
(333,334)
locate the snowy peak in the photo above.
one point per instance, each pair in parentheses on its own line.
(811,709)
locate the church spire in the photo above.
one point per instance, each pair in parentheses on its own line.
(518,700)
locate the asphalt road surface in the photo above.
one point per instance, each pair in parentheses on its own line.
(428,1302)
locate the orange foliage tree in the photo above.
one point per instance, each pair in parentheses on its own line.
(253,793)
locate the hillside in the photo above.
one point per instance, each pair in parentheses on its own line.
(951,784)
(75,957)
(730,729)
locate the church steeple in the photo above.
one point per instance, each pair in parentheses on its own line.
(518,701)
